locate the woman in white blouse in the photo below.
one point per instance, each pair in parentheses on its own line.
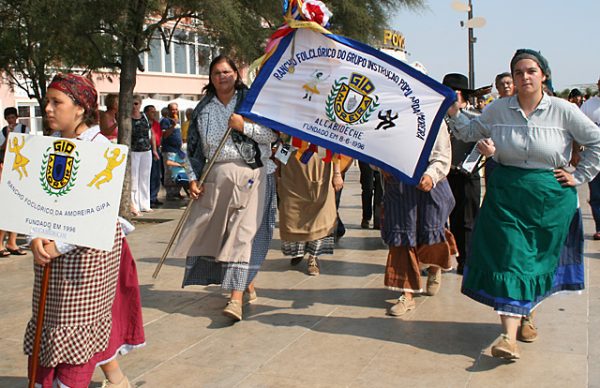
(217,238)
(530,198)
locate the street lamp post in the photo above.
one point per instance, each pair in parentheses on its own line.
(472,41)
(471,23)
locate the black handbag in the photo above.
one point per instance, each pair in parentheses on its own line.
(248,149)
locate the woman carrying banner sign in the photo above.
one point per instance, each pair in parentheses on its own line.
(220,238)
(93,308)
(530,198)
(413,228)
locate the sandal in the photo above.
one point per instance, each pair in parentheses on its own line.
(16,252)
(4,253)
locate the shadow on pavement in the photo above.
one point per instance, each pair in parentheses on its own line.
(464,338)
(12,382)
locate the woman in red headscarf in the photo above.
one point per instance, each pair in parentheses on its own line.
(93,308)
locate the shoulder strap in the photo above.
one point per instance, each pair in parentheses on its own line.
(240,98)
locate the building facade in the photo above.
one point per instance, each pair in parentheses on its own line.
(178,73)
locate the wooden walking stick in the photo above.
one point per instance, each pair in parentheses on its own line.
(185,214)
(35,353)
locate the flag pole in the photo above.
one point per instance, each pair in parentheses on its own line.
(185,214)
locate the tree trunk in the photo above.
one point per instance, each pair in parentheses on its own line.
(129,64)
(126,87)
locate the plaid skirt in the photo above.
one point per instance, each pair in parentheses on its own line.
(126,333)
(322,246)
(205,270)
(78,317)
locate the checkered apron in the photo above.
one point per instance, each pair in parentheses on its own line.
(78,320)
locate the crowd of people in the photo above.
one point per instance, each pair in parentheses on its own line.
(514,248)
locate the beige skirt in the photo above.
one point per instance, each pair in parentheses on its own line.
(223,222)
(306,200)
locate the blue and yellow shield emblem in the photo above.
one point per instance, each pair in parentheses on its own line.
(59,168)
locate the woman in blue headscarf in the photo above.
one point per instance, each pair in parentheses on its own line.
(531,196)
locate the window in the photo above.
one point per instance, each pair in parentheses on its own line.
(23,111)
(180,58)
(155,55)
(189,54)
(193,58)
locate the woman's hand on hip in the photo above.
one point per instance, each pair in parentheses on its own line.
(236,122)
(195,190)
(564,178)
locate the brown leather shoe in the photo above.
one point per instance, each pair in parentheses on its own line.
(313,266)
(434,282)
(527,332)
(503,348)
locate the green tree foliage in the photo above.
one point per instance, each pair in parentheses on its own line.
(40,37)
(242,27)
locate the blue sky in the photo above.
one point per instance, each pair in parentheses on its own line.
(566,32)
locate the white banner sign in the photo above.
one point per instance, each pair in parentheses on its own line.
(351,99)
(62,189)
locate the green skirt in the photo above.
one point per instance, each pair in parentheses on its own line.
(522,225)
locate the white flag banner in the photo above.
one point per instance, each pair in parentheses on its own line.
(352,99)
(62,189)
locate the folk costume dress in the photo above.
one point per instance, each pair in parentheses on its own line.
(307,212)
(93,308)
(413,224)
(217,238)
(526,213)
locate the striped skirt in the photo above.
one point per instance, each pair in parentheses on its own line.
(413,228)
(412,217)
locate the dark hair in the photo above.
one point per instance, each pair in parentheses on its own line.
(147,108)
(575,93)
(10,111)
(110,100)
(90,117)
(210,87)
(502,75)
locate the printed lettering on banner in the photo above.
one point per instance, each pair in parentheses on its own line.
(352,99)
(62,189)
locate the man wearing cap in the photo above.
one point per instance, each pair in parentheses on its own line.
(465,187)
(591,108)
